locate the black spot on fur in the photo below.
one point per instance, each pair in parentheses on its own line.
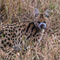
(8,34)
(2,42)
(8,38)
(11,27)
(21,42)
(6,30)
(17,26)
(20,26)
(16,31)
(1,31)
(14,27)
(10,45)
(4,45)
(5,40)
(23,30)
(19,34)
(14,34)
(34,40)
(10,31)
(19,29)
(7,43)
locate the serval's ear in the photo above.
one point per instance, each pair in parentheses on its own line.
(36,12)
(46,13)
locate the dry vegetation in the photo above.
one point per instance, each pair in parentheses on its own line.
(23,10)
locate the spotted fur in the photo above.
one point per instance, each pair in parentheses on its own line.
(13,35)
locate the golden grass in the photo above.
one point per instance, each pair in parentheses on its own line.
(49,48)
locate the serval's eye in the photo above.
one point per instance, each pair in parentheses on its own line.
(44,21)
(38,21)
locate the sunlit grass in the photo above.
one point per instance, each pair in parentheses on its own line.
(17,8)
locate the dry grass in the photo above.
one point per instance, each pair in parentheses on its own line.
(49,47)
